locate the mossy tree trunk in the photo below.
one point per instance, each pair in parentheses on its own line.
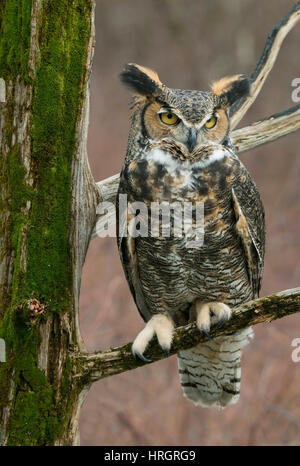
(47,203)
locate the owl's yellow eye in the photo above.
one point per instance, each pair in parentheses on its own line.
(169,118)
(211,123)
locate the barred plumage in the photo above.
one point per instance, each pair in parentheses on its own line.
(192,160)
(210,373)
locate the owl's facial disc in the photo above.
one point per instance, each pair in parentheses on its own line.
(164,122)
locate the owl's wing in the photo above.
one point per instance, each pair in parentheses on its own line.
(250,225)
(128,256)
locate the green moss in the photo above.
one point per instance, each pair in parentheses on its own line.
(33,412)
(15,37)
(56,104)
(4,384)
(37,418)
(20,194)
(34,421)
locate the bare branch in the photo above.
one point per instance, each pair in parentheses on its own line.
(92,367)
(266,62)
(268,130)
(109,188)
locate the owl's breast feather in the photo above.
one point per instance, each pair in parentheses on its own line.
(159,175)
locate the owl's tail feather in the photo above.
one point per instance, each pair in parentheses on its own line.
(210,373)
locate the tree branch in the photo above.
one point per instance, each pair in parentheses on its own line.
(268,130)
(266,62)
(93,367)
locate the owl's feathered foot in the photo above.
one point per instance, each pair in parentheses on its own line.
(161,326)
(204,310)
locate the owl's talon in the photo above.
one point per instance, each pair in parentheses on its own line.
(161,326)
(167,353)
(203,310)
(221,322)
(141,357)
(207,334)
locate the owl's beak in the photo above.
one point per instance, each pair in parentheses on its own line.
(192,139)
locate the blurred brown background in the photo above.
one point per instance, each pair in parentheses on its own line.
(190,43)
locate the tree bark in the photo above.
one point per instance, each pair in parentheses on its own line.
(48,201)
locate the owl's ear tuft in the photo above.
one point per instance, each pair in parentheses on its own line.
(231,88)
(142,80)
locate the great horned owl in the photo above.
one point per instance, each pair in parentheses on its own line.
(179,150)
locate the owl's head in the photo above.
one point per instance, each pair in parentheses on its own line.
(192,118)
